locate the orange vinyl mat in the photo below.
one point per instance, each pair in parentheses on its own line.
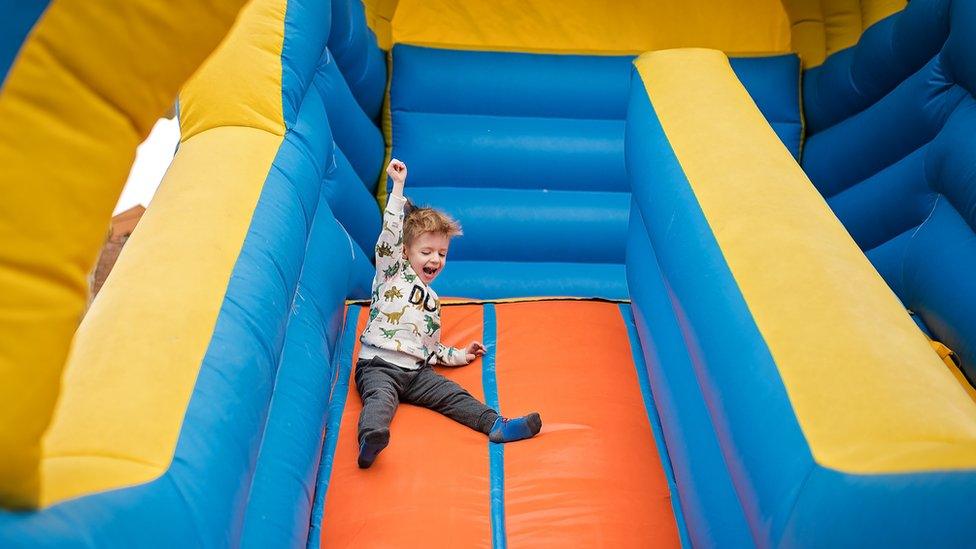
(592,477)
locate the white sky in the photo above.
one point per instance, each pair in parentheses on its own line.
(152,159)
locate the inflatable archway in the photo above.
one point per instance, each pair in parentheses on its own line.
(723,247)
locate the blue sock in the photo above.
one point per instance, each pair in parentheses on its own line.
(371,446)
(509,430)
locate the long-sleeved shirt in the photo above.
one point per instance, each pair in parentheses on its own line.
(405,313)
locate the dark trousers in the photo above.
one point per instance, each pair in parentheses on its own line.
(383,386)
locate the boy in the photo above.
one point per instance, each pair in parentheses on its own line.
(402,339)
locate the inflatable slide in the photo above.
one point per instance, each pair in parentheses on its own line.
(723,247)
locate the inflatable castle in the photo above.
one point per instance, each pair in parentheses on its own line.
(725,247)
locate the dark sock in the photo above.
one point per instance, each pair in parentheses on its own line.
(371,446)
(509,430)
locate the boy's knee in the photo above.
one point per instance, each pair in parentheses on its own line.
(381,392)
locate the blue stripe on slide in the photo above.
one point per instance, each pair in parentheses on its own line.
(337,404)
(652,417)
(496,452)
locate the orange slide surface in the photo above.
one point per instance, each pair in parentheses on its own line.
(593,476)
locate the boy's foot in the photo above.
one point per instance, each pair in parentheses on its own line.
(371,446)
(509,430)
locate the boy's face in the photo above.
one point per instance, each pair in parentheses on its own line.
(428,255)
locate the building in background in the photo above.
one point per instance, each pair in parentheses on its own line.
(122,226)
(152,160)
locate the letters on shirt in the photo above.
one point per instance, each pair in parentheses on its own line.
(418,296)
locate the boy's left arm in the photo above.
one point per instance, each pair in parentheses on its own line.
(451,356)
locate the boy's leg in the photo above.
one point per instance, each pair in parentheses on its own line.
(379,385)
(432,390)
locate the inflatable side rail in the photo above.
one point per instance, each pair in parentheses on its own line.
(72,118)
(825,398)
(335,266)
(280,502)
(711,509)
(169,387)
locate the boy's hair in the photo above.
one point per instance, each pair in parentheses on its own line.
(427,220)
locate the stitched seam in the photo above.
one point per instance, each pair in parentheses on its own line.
(909,297)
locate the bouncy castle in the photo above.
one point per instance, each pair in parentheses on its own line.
(725,247)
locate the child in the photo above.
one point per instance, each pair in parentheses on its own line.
(402,339)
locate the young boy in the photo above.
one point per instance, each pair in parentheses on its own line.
(402,339)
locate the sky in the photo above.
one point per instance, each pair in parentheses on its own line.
(152,159)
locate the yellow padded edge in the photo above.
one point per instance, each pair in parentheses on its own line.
(218,95)
(584,26)
(870,394)
(823,27)
(86,87)
(136,356)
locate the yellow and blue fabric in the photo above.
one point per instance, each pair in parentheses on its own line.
(17,25)
(822,395)
(799,402)
(581,26)
(886,54)
(814,29)
(820,28)
(281,498)
(892,149)
(520,144)
(175,428)
(379,17)
(72,118)
(708,500)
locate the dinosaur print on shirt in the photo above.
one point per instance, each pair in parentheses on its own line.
(394,318)
(392,293)
(384,250)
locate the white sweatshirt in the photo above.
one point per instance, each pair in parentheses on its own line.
(405,314)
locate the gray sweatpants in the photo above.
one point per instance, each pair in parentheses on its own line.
(383,386)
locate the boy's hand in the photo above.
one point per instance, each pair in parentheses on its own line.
(473,351)
(397,171)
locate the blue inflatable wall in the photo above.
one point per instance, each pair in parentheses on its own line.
(527,151)
(891,146)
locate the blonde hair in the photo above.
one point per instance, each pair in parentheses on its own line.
(428,220)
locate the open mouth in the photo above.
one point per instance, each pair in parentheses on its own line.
(430,271)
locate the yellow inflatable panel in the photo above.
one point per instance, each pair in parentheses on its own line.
(135,360)
(137,354)
(870,394)
(583,26)
(823,27)
(71,119)
(379,17)
(216,96)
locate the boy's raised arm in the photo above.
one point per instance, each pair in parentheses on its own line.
(389,245)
